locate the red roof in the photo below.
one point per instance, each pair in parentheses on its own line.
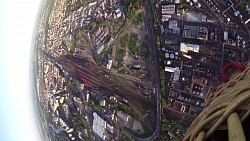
(106,30)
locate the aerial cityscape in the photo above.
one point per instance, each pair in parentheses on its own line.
(132,70)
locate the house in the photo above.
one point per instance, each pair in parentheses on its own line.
(110,41)
(102,35)
(92,3)
(82,86)
(110,128)
(118,13)
(100,49)
(109,64)
(102,102)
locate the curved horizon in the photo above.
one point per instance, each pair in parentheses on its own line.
(17,117)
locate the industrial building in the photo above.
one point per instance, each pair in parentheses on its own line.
(168,9)
(189,47)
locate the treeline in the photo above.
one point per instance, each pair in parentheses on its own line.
(131,6)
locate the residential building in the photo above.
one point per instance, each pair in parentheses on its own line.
(99,126)
(109,64)
(100,49)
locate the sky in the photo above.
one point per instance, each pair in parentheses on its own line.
(17,119)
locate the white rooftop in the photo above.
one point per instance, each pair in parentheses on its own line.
(109,64)
(99,126)
(189,47)
(169,69)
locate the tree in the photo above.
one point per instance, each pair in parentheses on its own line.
(76,120)
(132,43)
(120,56)
(124,40)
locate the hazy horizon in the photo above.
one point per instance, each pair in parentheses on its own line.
(17,118)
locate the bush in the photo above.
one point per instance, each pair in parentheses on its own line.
(138,19)
(132,6)
(76,120)
(132,43)
(124,40)
(120,56)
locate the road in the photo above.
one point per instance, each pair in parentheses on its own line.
(203,3)
(156,73)
(149,23)
(217,15)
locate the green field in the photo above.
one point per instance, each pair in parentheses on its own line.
(48,6)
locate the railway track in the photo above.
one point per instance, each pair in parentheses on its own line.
(88,72)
